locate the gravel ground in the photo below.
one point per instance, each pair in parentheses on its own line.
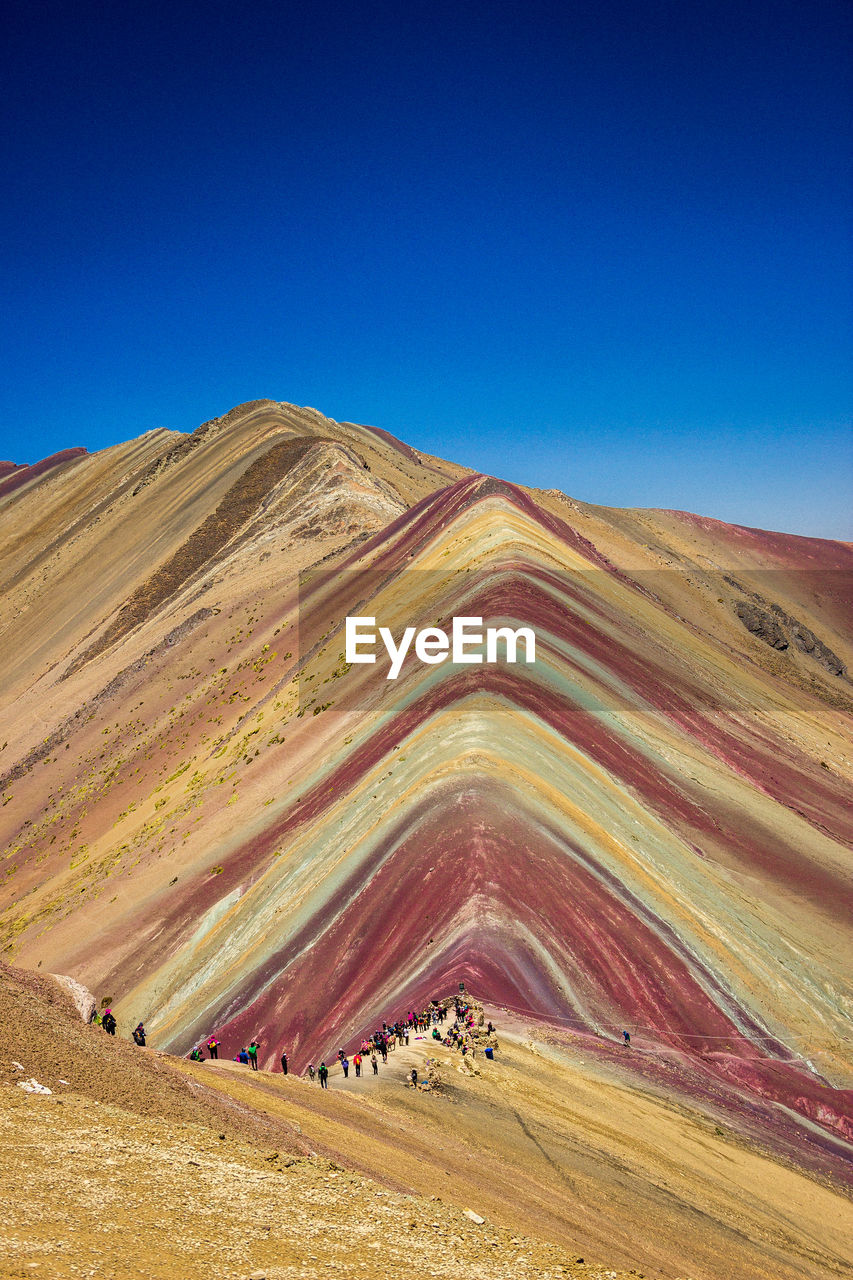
(101,1192)
(41,1029)
(131,1169)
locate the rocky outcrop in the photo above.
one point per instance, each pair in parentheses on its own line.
(807,642)
(84,1001)
(778,629)
(762,624)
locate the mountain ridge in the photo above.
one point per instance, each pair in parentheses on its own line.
(211,817)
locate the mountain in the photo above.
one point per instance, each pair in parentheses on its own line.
(213,819)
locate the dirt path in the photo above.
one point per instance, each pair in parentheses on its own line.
(137,1166)
(557,1148)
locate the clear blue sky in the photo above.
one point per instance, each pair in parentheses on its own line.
(602,246)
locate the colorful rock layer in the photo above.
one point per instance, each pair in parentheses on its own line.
(218,823)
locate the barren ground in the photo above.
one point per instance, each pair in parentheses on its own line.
(149,1166)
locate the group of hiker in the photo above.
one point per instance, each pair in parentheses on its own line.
(372,1048)
(459,1035)
(462,1034)
(247,1056)
(105,1020)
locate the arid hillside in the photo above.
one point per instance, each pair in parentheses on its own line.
(220,825)
(566,1171)
(134,1166)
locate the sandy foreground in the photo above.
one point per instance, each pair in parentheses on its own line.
(149,1166)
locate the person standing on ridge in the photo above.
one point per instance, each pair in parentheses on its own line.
(139,1036)
(626,1036)
(374,1063)
(253,1055)
(356,1062)
(213,1047)
(284,1063)
(345,1065)
(323,1073)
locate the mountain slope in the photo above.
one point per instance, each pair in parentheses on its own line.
(212,818)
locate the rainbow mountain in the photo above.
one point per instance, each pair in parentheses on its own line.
(216,822)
